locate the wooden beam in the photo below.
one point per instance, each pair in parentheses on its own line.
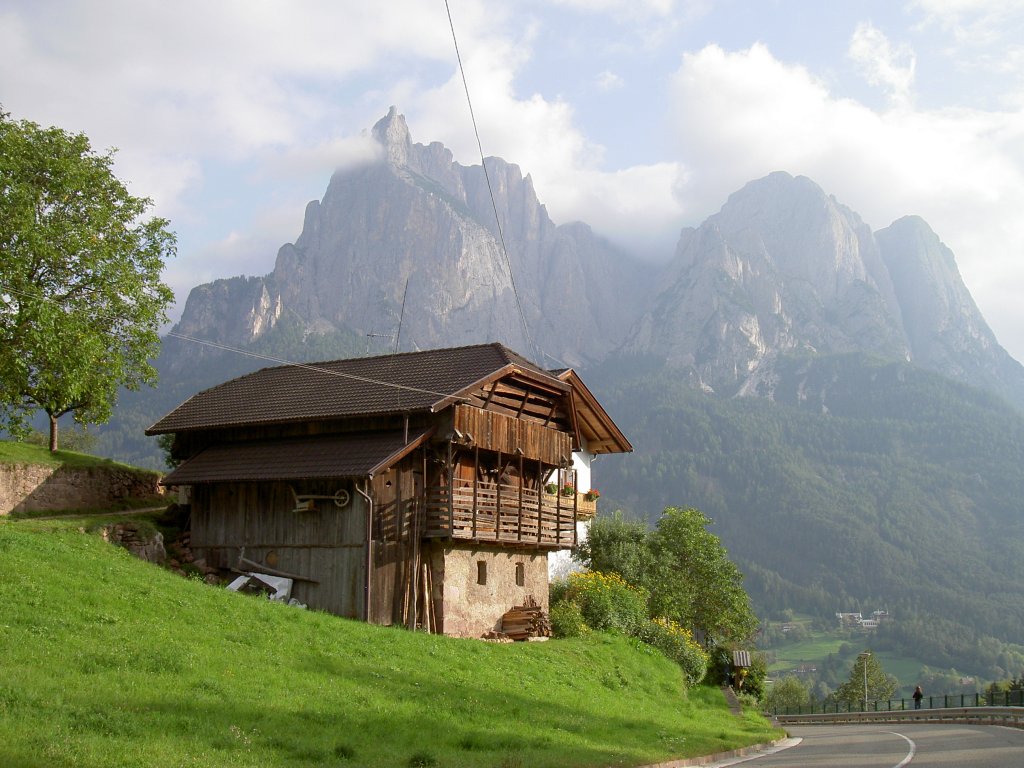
(490,394)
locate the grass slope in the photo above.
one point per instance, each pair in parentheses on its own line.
(14,452)
(109,661)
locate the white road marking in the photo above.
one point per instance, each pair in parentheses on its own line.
(910,755)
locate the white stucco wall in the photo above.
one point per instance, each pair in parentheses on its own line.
(561,564)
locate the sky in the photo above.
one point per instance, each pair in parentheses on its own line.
(639,117)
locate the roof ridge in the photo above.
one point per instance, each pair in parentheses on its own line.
(389,355)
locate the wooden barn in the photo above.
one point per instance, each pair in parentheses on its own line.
(410,489)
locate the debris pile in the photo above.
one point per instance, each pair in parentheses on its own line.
(182,561)
(494,636)
(527,621)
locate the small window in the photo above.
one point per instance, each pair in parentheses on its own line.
(481,572)
(520,575)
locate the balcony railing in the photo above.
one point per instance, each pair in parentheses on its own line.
(506,514)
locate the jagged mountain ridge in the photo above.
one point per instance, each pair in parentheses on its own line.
(417,218)
(782,269)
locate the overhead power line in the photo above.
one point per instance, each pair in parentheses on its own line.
(490,190)
(309,367)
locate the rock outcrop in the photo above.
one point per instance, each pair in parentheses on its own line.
(410,242)
(417,229)
(784,269)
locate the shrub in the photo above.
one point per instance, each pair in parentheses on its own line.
(567,619)
(557,590)
(607,602)
(678,644)
(788,693)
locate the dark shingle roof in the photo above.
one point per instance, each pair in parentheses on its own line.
(406,382)
(301,459)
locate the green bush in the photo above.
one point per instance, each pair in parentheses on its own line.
(678,644)
(567,619)
(607,602)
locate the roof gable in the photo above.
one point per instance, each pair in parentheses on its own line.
(591,420)
(400,383)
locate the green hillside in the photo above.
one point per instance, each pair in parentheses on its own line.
(865,485)
(108,661)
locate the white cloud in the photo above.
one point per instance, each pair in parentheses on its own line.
(336,154)
(609,81)
(741,115)
(625,8)
(542,137)
(882,63)
(198,80)
(984,35)
(973,22)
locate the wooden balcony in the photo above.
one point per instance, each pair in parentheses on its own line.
(586,509)
(507,515)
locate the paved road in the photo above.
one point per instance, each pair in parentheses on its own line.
(897,745)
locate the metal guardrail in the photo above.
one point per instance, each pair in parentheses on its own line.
(1011,716)
(990,699)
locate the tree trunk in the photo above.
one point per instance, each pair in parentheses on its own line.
(53,433)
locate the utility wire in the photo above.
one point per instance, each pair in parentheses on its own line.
(249,353)
(490,190)
(309,367)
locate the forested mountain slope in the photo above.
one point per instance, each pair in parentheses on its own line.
(866,485)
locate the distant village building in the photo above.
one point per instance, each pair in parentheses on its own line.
(857,620)
(424,489)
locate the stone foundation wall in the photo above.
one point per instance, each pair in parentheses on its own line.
(468,608)
(39,488)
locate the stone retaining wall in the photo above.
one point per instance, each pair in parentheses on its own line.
(37,488)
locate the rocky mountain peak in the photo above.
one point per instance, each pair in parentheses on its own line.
(393,133)
(947,332)
(783,269)
(423,225)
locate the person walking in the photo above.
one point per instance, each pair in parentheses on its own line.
(918,695)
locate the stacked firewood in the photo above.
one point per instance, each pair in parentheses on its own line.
(526,621)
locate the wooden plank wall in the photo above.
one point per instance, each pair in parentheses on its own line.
(326,544)
(398,523)
(499,432)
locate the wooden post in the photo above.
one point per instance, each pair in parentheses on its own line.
(522,480)
(558,506)
(575,504)
(476,480)
(540,495)
(451,493)
(497,506)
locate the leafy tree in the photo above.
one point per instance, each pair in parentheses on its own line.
(81,301)
(617,545)
(867,668)
(694,582)
(682,565)
(787,694)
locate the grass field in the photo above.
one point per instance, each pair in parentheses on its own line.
(13,452)
(818,645)
(109,661)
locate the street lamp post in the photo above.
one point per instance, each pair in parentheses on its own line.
(864,666)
